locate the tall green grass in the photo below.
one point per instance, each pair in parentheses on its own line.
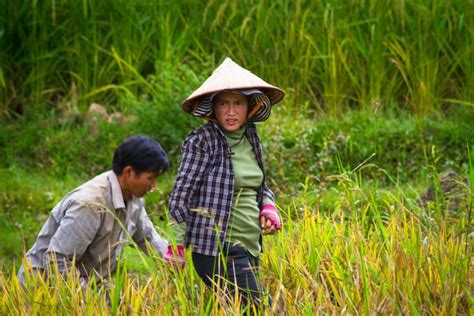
(336,54)
(297,145)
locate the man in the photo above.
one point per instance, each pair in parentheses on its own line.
(90,226)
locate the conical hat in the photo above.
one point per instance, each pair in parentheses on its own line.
(231,76)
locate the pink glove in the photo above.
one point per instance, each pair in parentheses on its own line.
(175,256)
(270,212)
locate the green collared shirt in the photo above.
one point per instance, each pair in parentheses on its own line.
(244,225)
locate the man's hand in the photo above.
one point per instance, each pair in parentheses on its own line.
(269,219)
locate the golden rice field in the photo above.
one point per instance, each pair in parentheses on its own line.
(378,252)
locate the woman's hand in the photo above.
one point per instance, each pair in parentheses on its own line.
(175,256)
(269,219)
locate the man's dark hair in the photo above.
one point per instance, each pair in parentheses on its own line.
(142,153)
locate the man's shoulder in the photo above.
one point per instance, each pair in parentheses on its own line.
(96,190)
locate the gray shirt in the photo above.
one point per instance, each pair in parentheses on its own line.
(90,226)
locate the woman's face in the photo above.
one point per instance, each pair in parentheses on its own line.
(231,110)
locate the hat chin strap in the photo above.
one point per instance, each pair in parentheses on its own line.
(255,109)
(249,116)
(193,112)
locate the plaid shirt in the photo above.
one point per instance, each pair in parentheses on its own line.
(204,189)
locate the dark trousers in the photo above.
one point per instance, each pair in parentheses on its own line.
(233,267)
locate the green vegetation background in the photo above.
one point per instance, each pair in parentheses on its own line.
(385,84)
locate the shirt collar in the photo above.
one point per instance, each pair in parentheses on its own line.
(238,134)
(217,127)
(117,197)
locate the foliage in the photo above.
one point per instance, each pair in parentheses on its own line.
(69,142)
(397,144)
(407,54)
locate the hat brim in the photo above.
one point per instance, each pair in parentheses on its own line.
(274,94)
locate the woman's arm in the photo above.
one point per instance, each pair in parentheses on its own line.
(194,164)
(268,196)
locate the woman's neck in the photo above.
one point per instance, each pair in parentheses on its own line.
(236,134)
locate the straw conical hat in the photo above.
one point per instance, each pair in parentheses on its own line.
(231,76)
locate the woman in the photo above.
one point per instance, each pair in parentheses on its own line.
(220,198)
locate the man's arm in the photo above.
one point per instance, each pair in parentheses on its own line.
(146,233)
